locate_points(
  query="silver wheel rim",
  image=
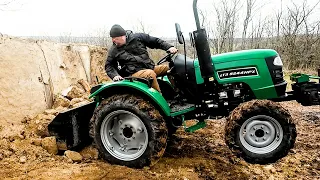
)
(124, 135)
(261, 134)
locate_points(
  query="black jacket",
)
(133, 56)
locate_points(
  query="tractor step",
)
(191, 129)
(179, 108)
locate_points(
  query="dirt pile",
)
(201, 155)
(74, 96)
(32, 72)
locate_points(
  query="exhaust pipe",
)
(202, 47)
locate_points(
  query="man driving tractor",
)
(128, 56)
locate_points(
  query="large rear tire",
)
(260, 131)
(129, 131)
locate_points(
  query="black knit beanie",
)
(117, 30)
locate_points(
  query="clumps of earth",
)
(34, 141)
(33, 154)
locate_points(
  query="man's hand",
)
(117, 78)
(173, 50)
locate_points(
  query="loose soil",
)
(200, 155)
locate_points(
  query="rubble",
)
(50, 144)
(61, 101)
(73, 92)
(90, 153)
(85, 85)
(74, 156)
(23, 159)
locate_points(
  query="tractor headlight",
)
(277, 61)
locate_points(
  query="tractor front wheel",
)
(260, 131)
(129, 131)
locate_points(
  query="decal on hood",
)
(240, 72)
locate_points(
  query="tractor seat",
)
(147, 81)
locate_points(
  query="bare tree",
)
(227, 16)
(140, 26)
(247, 19)
(296, 32)
(203, 15)
(258, 33)
(100, 37)
(278, 19)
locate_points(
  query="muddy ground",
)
(201, 155)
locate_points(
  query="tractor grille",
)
(276, 74)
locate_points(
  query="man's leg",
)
(148, 73)
(161, 69)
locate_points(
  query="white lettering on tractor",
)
(251, 71)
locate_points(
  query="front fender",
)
(128, 86)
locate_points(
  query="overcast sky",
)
(78, 17)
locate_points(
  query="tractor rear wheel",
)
(260, 131)
(129, 131)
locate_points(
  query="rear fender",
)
(133, 87)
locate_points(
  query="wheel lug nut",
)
(256, 140)
(129, 140)
(251, 134)
(121, 134)
(120, 122)
(133, 137)
(267, 132)
(261, 127)
(139, 129)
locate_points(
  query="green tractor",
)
(130, 122)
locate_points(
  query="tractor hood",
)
(243, 55)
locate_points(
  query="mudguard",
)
(133, 86)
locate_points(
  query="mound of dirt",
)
(33, 71)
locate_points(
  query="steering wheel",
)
(165, 59)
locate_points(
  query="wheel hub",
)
(126, 138)
(261, 134)
(127, 132)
